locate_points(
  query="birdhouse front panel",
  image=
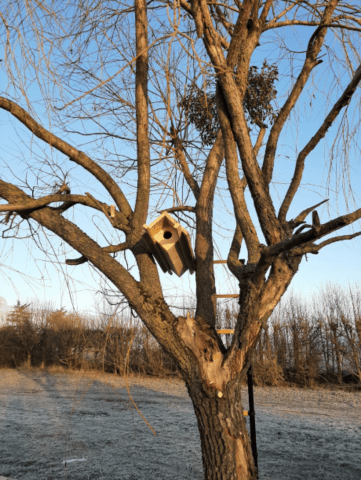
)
(174, 254)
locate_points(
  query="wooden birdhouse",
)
(170, 244)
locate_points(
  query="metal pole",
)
(252, 420)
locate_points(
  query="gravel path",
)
(82, 426)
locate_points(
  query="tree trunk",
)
(226, 445)
(336, 343)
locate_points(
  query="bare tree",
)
(164, 102)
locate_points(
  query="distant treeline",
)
(44, 338)
(304, 343)
(314, 342)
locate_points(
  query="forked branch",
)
(301, 216)
(317, 231)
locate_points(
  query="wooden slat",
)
(231, 295)
(226, 330)
(219, 261)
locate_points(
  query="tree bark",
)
(225, 442)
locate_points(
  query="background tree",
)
(119, 84)
(27, 333)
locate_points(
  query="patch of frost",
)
(65, 462)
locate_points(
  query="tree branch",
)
(141, 107)
(300, 163)
(317, 231)
(259, 141)
(181, 208)
(311, 61)
(109, 249)
(239, 33)
(301, 216)
(288, 23)
(180, 156)
(68, 201)
(35, 204)
(76, 261)
(233, 262)
(270, 225)
(315, 248)
(237, 186)
(205, 284)
(74, 155)
(143, 298)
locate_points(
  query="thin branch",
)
(259, 141)
(289, 23)
(181, 158)
(109, 249)
(315, 248)
(182, 208)
(76, 261)
(338, 239)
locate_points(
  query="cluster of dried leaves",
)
(201, 103)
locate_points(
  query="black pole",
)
(251, 413)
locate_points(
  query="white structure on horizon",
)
(4, 308)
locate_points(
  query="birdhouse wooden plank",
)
(170, 244)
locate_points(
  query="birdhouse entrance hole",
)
(167, 235)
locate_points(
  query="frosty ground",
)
(84, 426)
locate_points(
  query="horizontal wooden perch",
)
(229, 295)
